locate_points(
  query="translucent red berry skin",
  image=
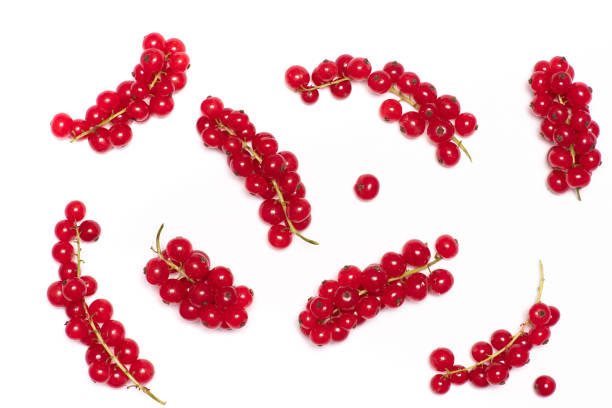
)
(320, 335)
(544, 385)
(481, 351)
(446, 246)
(500, 338)
(517, 355)
(61, 125)
(358, 69)
(448, 153)
(440, 384)
(496, 373)
(416, 253)
(539, 335)
(379, 82)
(142, 370)
(556, 182)
(539, 314)
(465, 124)
(555, 314)
(390, 110)
(296, 77)
(440, 281)
(442, 359)
(366, 187)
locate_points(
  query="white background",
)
(58, 56)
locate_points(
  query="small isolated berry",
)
(544, 385)
(366, 187)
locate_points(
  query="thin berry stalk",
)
(168, 262)
(571, 148)
(337, 81)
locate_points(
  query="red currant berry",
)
(99, 141)
(138, 110)
(127, 351)
(448, 153)
(350, 275)
(541, 104)
(542, 66)
(99, 372)
(554, 316)
(374, 279)
(425, 93)
(142, 370)
(74, 289)
(156, 271)
(394, 69)
(368, 307)
(64, 230)
(539, 335)
(341, 90)
(89, 231)
(338, 333)
(61, 125)
(96, 353)
(440, 281)
(220, 276)
(481, 351)
(280, 236)
(496, 373)
(172, 291)
(62, 252)
(408, 83)
(544, 385)
(477, 377)
(465, 124)
(244, 296)
(342, 63)
(297, 77)
(517, 355)
(558, 64)
(578, 177)
(161, 105)
(358, 69)
(179, 249)
(579, 95)
(440, 130)
(559, 158)
(590, 160)
(327, 70)
(539, 82)
(117, 378)
(379, 82)
(320, 334)
(442, 359)
(416, 253)
(448, 107)
(416, 286)
(211, 316)
(55, 295)
(558, 113)
(366, 187)
(178, 62)
(412, 124)
(393, 264)
(390, 110)
(298, 209)
(112, 332)
(556, 181)
(101, 310)
(500, 338)
(539, 314)
(447, 246)
(75, 211)
(328, 288)
(560, 82)
(235, 317)
(440, 384)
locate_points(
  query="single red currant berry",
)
(448, 153)
(327, 70)
(117, 378)
(178, 62)
(65, 231)
(523, 340)
(590, 160)
(542, 66)
(108, 102)
(496, 373)
(539, 314)
(75, 211)
(89, 231)
(172, 291)
(127, 351)
(390, 110)
(440, 384)
(448, 107)
(164, 87)
(544, 385)
(560, 82)
(310, 96)
(271, 211)
(321, 308)
(138, 110)
(440, 281)
(75, 310)
(179, 249)
(298, 209)
(517, 355)
(99, 372)
(460, 377)
(440, 130)
(557, 113)
(244, 296)
(374, 279)
(416, 253)
(55, 295)
(539, 335)
(101, 310)
(539, 82)
(446, 246)
(341, 90)
(62, 252)
(211, 316)
(347, 321)
(465, 124)
(393, 295)
(558, 64)
(477, 376)
(554, 316)
(197, 265)
(442, 359)
(76, 329)
(481, 351)
(394, 69)
(152, 60)
(342, 63)
(120, 135)
(584, 143)
(156, 271)
(328, 288)
(578, 177)
(358, 69)
(579, 95)
(500, 338)
(368, 307)
(280, 236)
(99, 141)
(112, 332)
(61, 125)
(556, 181)
(235, 317)
(366, 187)
(320, 334)
(412, 124)
(393, 264)
(408, 83)
(425, 93)
(67, 271)
(153, 40)
(188, 310)
(307, 320)
(379, 82)
(541, 104)
(559, 158)
(338, 333)
(91, 285)
(225, 297)
(142, 370)
(220, 276)
(161, 105)
(297, 77)
(416, 286)
(350, 275)
(593, 128)
(74, 289)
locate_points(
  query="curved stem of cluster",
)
(514, 338)
(337, 81)
(404, 97)
(281, 199)
(96, 331)
(462, 147)
(168, 262)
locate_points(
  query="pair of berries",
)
(203, 293)
(160, 73)
(357, 295)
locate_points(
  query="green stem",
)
(337, 81)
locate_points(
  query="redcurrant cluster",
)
(203, 292)
(495, 359)
(268, 173)
(567, 124)
(160, 73)
(440, 115)
(357, 295)
(112, 357)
